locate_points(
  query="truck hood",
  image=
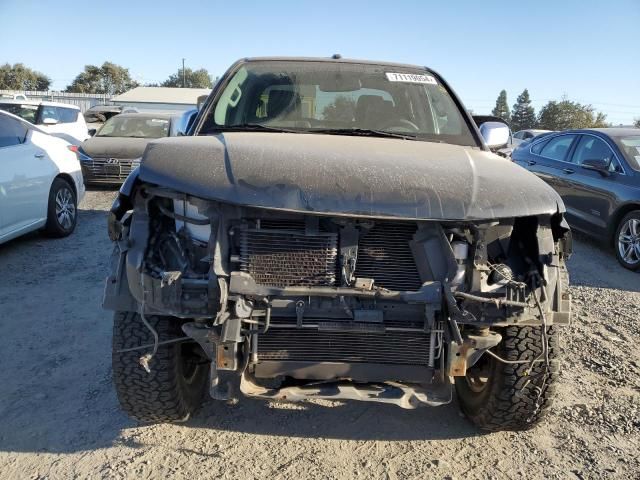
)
(116, 147)
(347, 175)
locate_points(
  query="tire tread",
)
(158, 396)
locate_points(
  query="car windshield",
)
(630, 146)
(134, 126)
(99, 115)
(338, 98)
(24, 111)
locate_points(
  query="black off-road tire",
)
(511, 400)
(175, 388)
(634, 265)
(61, 190)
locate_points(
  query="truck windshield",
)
(338, 98)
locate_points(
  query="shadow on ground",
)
(107, 427)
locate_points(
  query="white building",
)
(160, 98)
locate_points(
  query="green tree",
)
(192, 79)
(565, 114)
(636, 123)
(502, 108)
(20, 77)
(523, 116)
(110, 79)
(343, 108)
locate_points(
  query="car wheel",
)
(627, 241)
(175, 385)
(62, 211)
(499, 396)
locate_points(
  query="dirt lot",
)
(59, 417)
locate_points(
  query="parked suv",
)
(58, 119)
(336, 229)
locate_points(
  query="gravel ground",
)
(59, 417)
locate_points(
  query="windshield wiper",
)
(252, 127)
(364, 132)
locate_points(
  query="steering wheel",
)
(400, 122)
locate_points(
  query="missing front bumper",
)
(408, 396)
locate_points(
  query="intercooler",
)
(310, 345)
(358, 353)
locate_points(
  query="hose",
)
(498, 302)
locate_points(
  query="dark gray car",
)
(597, 174)
(115, 150)
(336, 229)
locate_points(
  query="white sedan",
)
(40, 181)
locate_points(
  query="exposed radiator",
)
(281, 258)
(384, 254)
(311, 345)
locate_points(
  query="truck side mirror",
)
(495, 134)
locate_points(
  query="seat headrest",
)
(279, 102)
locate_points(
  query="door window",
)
(558, 147)
(537, 147)
(49, 113)
(592, 148)
(67, 115)
(12, 132)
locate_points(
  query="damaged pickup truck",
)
(337, 229)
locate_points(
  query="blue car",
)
(597, 174)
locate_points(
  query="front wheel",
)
(500, 396)
(175, 386)
(627, 241)
(62, 209)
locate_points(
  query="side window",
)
(558, 147)
(67, 115)
(49, 113)
(12, 132)
(537, 148)
(591, 148)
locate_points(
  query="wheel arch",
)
(69, 179)
(619, 215)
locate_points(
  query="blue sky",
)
(587, 50)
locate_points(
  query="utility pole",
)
(184, 81)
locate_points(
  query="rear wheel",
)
(62, 211)
(627, 240)
(498, 396)
(174, 388)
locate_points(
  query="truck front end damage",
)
(296, 305)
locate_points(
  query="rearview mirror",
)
(92, 132)
(600, 165)
(49, 121)
(495, 134)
